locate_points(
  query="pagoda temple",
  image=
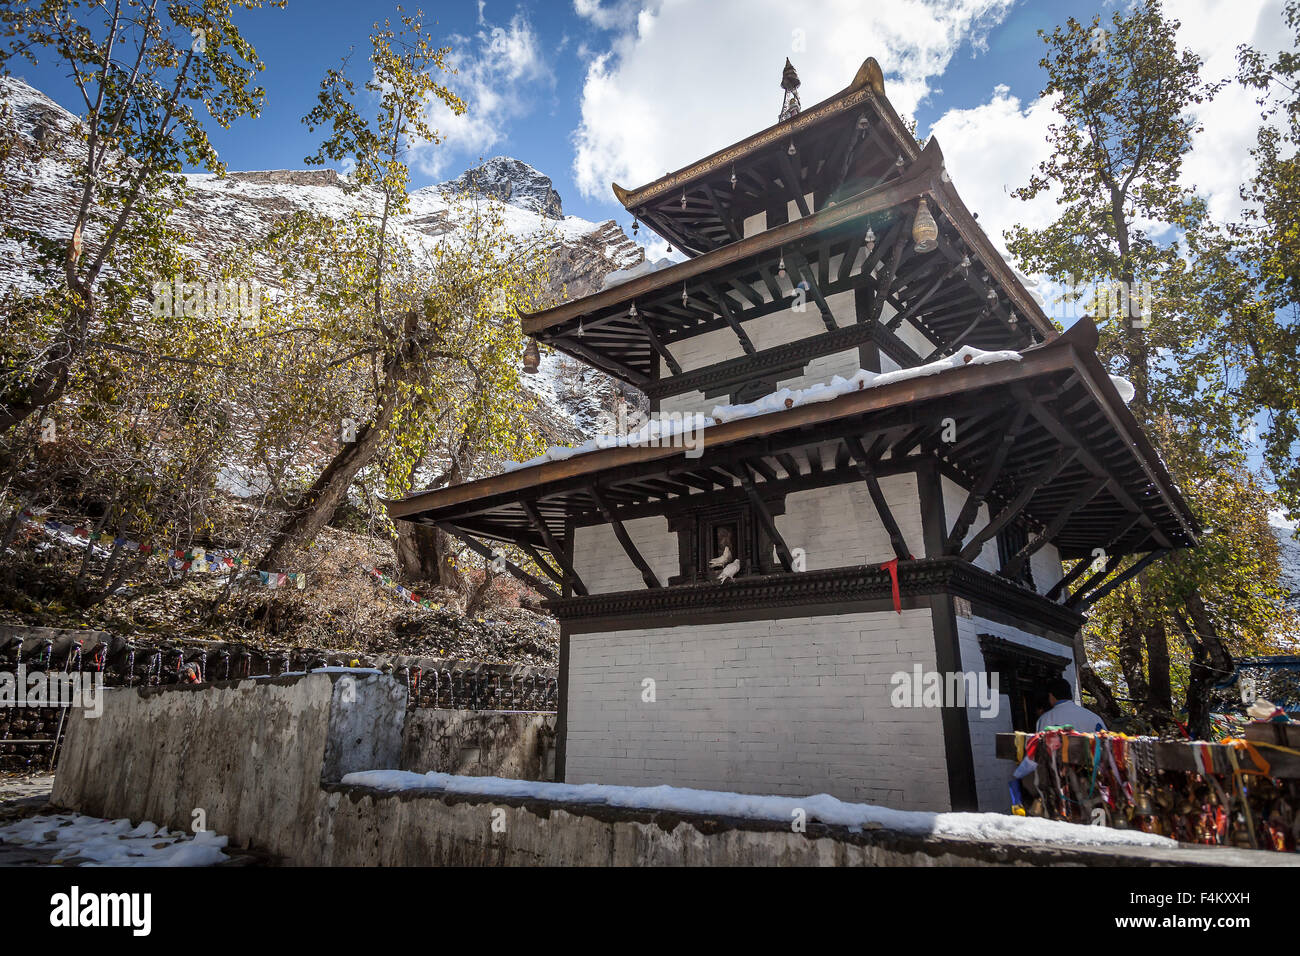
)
(901, 451)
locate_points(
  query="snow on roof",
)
(659, 430)
(992, 827)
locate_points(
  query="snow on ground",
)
(987, 827)
(658, 430)
(92, 841)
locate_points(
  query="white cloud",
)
(686, 77)
(1220, 161)
(617, 14)
(992, 148)
(496, 69)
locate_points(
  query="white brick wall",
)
(993, 776)
(603, 565)
(798, 706)
(838, 527)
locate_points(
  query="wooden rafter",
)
(999, 521)
(537, 584)
(765, 517)
(1082, 601)
(1084, 495)
(557, 549)
(966, 517)
(866, 468)
(620, 532)
(1125, 525)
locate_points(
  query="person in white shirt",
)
(1063, 711)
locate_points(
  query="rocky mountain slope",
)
(222, 214)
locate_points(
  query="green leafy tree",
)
(1142, 256)
(1267, 246)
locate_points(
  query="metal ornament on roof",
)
(532, 357)
(925, 231)
(790, 83)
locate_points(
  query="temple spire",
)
(789, 83)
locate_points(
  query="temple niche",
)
(896, 450)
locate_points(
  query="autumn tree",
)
(149, 76)
(1139, 252)
(427, 333)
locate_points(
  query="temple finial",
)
(790, 83)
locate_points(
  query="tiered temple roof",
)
(1045, 441)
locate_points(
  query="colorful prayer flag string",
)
(402, 592)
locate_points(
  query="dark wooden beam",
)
(1124, 526)
(1045, 474)
(894, 347)
(722, 214)
(1082, 603)
(658, 346)
(558, 551)
(794, 183)
(765, 517)
(602, 361)
(620, 532)
(537, 584)
(542, 563)
(984, 485)
(724, 309)
(1084, 495)
(805, 270)
(1066, 436)
(866, 468)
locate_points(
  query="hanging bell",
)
(683, 200)
(792, 150)
(870, 239)
(580, 330)
(635, 226)
(925, 231)
(532, 357)
(780, 266)
(733, 177)
(631, 312)
(685, 298)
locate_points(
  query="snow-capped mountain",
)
(510, 180)
(223, 214)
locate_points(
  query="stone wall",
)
(260, 759)
(247, 758)
(480, 743)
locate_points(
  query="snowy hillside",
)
(1289, 559)
(224, 214)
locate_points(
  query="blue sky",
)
(299, 43)
(594, 90)
(590, 91)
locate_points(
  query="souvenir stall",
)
(1240, 791)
